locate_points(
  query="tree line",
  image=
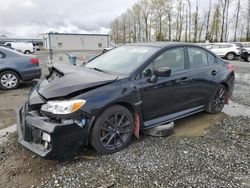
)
(183, 20)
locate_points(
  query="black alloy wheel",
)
(112, 130)
(217, 102)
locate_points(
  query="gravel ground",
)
(241, 93)
(219, 158)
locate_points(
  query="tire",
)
(217, 101)
(113, 130)
(105, 50)
(230, 56)
(9, 80)
(27, 52)
(248, 59)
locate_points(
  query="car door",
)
(168, 94)
(202, 74)
(2, 56)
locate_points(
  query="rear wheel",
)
(230, 56)
(9, 80)
(112, 130)
(217, 102)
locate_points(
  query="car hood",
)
(65, 80)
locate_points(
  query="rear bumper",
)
(31, 74)
(65, 138)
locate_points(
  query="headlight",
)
(63, 107)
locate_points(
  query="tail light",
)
(35, 61)
(238, 49)
(230, 67)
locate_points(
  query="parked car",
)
(245, 54)
(36, 47)
(226, 50)
(16, 67)
(109, 48)
(24, 47)
(129, 89)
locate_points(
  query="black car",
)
(120, 93)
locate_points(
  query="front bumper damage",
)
(65, 138)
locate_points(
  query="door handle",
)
(214, 72)
(184, 80)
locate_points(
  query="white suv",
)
(225, 50)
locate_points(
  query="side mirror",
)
(160, 72)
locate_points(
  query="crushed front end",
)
(50, 137)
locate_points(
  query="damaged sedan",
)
(125, 91)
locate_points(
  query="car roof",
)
(162, 44)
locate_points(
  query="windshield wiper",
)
(100, 70)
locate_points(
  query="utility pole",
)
(248, 20)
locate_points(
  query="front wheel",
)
(217, 101)
(112, 130)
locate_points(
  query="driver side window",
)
(173, 58)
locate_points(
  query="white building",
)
(75, 42)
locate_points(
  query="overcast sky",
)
(28, 18)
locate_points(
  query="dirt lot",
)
(205, 151)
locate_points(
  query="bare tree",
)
(216, 23)
(201, 27)
(169, 11)
(159, 10)
(224, 6)
(248, 22)
(227, 21)
(196, 21)
(186, 24)
(146, 10)
(190, 19)
(123, 26)
(208, 20)
(237, 21)
(180, 14)
(182, 20)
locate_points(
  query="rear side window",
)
(197, 57)
(210, 58)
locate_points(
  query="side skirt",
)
(171, 117)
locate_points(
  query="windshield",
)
(123, 60)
